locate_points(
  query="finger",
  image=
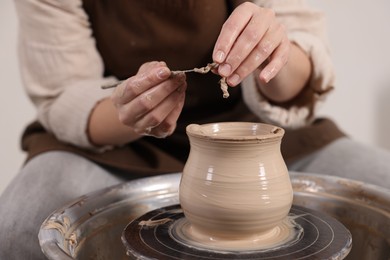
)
(162, 119)
(147, 66)
(257, 28)
(140, 83)
(278, 59)
(230, 31)
(168, 125)
(271, 40)
(131, 112)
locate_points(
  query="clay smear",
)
(203, 70)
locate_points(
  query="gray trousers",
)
(52, 179)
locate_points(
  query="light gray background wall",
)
(15, 109)
(359, 33)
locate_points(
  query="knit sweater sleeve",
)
(61, 69)
(306, 28)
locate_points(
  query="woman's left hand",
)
(251, 38)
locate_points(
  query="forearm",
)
(291, 79)
(104, 127)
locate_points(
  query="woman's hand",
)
(251, 38)
(151, 101)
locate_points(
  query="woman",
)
(273, 55)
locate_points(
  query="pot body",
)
(235, 180)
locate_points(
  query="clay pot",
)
(235, 181)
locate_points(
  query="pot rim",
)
(229, 131)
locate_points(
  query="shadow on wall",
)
(382, 116)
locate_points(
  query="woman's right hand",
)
(151, 101)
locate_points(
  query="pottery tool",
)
(201, 70)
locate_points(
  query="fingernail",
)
(163, 73)
(234, 80)
(220, 56)
(266, 79)
(267, 74)
(225, 69)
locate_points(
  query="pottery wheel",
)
(151, 236)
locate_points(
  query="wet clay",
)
(284, 234)
(235, 190)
